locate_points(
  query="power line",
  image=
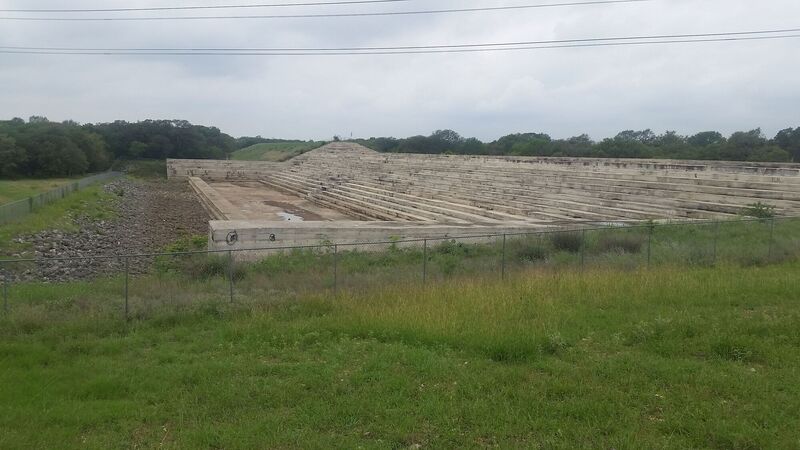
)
(721, 37)
(326, 15)
(418, 47)
(182, 8)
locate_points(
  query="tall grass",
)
(680, 357)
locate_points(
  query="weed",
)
(528, 251)
(620, 243)
(759, 210)
(567, 241)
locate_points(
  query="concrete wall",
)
(215, 204)
(220, 170)
(266, 235)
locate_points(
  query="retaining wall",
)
(244, 235)
(210, 169)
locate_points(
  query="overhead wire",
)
(328, 15)
(202, 7)
(429, 49)
(423, 47)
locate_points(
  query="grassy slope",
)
(275, 152)
(674, 358)
(92, 202)
(13, 190)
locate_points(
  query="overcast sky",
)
(725, 86)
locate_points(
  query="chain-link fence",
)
(15, 210)
(135, 286)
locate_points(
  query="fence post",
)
(503, 261)
(650, 229)
(583, 248)
(716, 238)
(230, 273)
(5, 295)
(424, 261)
(127, 274)
(771, 238)
(335, 270)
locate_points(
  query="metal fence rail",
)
(132, 284)
(15, 210)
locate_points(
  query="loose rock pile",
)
(152, 214)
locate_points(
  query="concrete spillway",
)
(443, 194)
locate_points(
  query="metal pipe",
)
(771, 238)
(127, 274)
(335, 270)
(716, 238)
(230, 273)
(503, 261)
(424, 261)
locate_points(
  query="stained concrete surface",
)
(256, 201)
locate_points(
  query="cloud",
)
(688, 88)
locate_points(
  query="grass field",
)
(275, 152)
(13, 190)
(673, 358)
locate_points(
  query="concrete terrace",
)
(345, 181)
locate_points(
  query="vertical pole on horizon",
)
(716, 239)
(127, 274)
(424, 261)
(503, 261)
(230, 273)
(583, 248)
(771, 238)
(335, 270)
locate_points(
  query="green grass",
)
(275, 152)
(143, 168)
(92, 202)
(13, 190)
(695, 357)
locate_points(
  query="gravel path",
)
(152, 214)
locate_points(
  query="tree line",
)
(41, 148)
(708, 145)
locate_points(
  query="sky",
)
(724, 86)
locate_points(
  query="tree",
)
(742, 144)
(12, 158)
(706, 138)
(789, 140)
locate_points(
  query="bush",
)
(759, 210)
(455, 248)
(200, 266)
(569, 242)
(620, 243)
(530, 251)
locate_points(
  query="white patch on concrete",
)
(289, 217)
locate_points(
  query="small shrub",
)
(759, 210)
(455, 248)
(732, 351)
(200, 267)
(447, 263)
(554, 344)
(188, 244)
(620, 243)
(530, 252)
(568, 242)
